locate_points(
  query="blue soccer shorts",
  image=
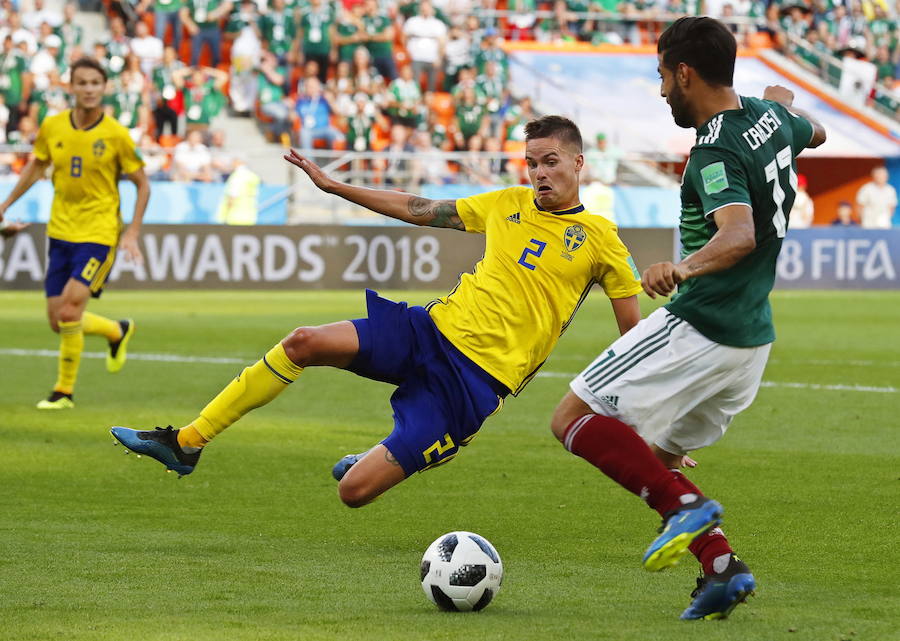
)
(88, 263)
(442, 397)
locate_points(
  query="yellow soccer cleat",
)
(56, 401)
(118, 354)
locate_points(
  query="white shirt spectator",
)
(802, 212)
(458, 52)
(876, 205)
(4, 119)
(192, 159)
(32, 20)
(714, 8)
(43, 63)
(22, 35)
(150, 52)
(423, 38)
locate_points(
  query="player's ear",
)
(579, 162)
(683, 75)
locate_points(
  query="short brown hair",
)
(88, 63)
(554, 127)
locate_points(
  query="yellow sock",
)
(71, 344)
(255, 386)
(96, 325)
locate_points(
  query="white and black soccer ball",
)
(461, 571)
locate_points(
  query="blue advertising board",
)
(170, 203)
(839, 258)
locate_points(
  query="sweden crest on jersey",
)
(574, 237)
(99, 148)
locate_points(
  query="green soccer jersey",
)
(375, 26)
(316, 27)
(12, 67)
(126, 107)
(345, 29)
(167, 5)
(469, 118)
(359, 131)
(202, 103)
(200, 10)
(267, 90)
(742, 156)
(278, 30)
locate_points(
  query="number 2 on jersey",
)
(528, 251)
(782, 161)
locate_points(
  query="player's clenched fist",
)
(779, 94)
(662, 278)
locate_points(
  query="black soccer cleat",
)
(716, 595)
(161, 444)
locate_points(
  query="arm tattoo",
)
(436, 213)
(390, 458)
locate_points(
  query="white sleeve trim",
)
(709, 214)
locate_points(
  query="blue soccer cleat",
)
(161, 444)
(343, 466)
(717, 595)
(679, 530)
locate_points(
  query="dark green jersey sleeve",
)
(801, 129)
(719, 178)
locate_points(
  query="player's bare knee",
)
(69, 313)
(299, 345)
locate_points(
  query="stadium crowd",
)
(359, 74)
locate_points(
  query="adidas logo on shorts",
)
(610, 401)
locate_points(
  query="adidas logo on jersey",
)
(515, 218)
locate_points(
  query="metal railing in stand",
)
(830, 68)
(742, 24)
(422, 172)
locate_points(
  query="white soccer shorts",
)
(674, 386)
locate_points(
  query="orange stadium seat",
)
(516, 147)
(759, 40)
(441, 103)
(168, 140)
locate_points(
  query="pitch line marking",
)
(138, 356)
(226, 360)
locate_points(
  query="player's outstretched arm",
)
(9, 229)
(785, 96)
(395, 204)
(735, 238)
(32, 172)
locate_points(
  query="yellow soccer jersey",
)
(87, 164)
(537, 269)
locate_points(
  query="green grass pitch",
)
(255, 545)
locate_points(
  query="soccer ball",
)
(461, 571)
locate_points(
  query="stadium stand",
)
(254, 62)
